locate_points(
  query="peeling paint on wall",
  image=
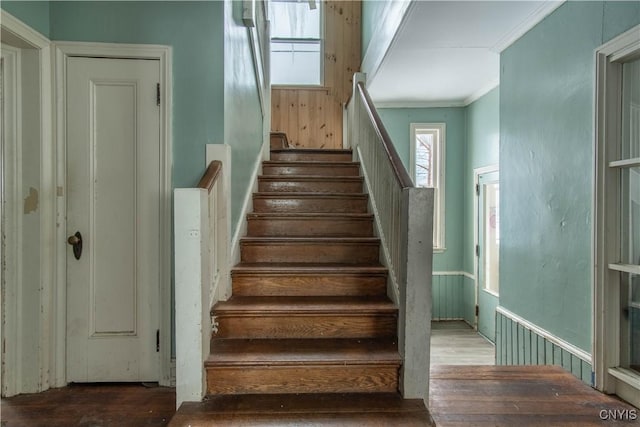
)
(31, 201)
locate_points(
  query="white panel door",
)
(113, 201)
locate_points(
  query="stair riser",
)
(296, 156)
(318, 205)
(311, 253)
(307, 379)
(306, 326)
(309, 285)
(301, 227)
(312, 170)
(285, 185)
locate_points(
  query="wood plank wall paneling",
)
(312, 118)
(453, 298)
(447, 297)
(519, 345)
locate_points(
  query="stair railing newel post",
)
(404, 224)
(198, 224)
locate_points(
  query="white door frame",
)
(609, 377)
(16, 326)
(476, 238)
(63, 50)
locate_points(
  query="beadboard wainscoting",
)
(519, 342)
(453, 296)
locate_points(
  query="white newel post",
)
(191, 219)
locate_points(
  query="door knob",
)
(75, 241)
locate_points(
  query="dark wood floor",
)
(95, 405)
(520, 396)
(460, 396)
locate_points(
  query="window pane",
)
(630, 327)
(491, 244)
(292, 20)
(295, 63)
(631, 110)
(424, 160)
(630, 216)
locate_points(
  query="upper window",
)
(296, 43)
(427, 170)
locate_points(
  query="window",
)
(617, 218)
(296, 42)
(489, 232)
(427, 170)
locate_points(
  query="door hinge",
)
(477, 189)
(477, 250)
(157, 340)
(477, 310)
(158, 94)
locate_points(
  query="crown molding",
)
(544, 10)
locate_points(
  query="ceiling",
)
(447, 53)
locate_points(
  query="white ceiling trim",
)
(419, 104)
(441, 104)
(482, 92)
(531, 21)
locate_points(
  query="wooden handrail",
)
(211, 174)
(400, 171)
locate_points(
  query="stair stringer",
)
(247, 205)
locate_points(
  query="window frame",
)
(439, 157)
(609, 376)
(320, 40)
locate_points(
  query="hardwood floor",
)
(456, 343)
(96, 405)
(520, 396)
(460, 396)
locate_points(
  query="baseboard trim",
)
(454, 273)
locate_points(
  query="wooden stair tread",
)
(309, 163)
(295, 215)
(348, 305)
(309, 194)
(310, 409)
(297, 268)
(311, 178)
(318, 240)
(313, 150)
(273, 352)
(308, 403)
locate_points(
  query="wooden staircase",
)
(309, 336)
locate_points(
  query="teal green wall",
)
(372, 15)
(397, 122)
(195, 32)
(214, 100)
(483, 140)
(473, 135)
(33, 13)
(546, 156)
(243, 123)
